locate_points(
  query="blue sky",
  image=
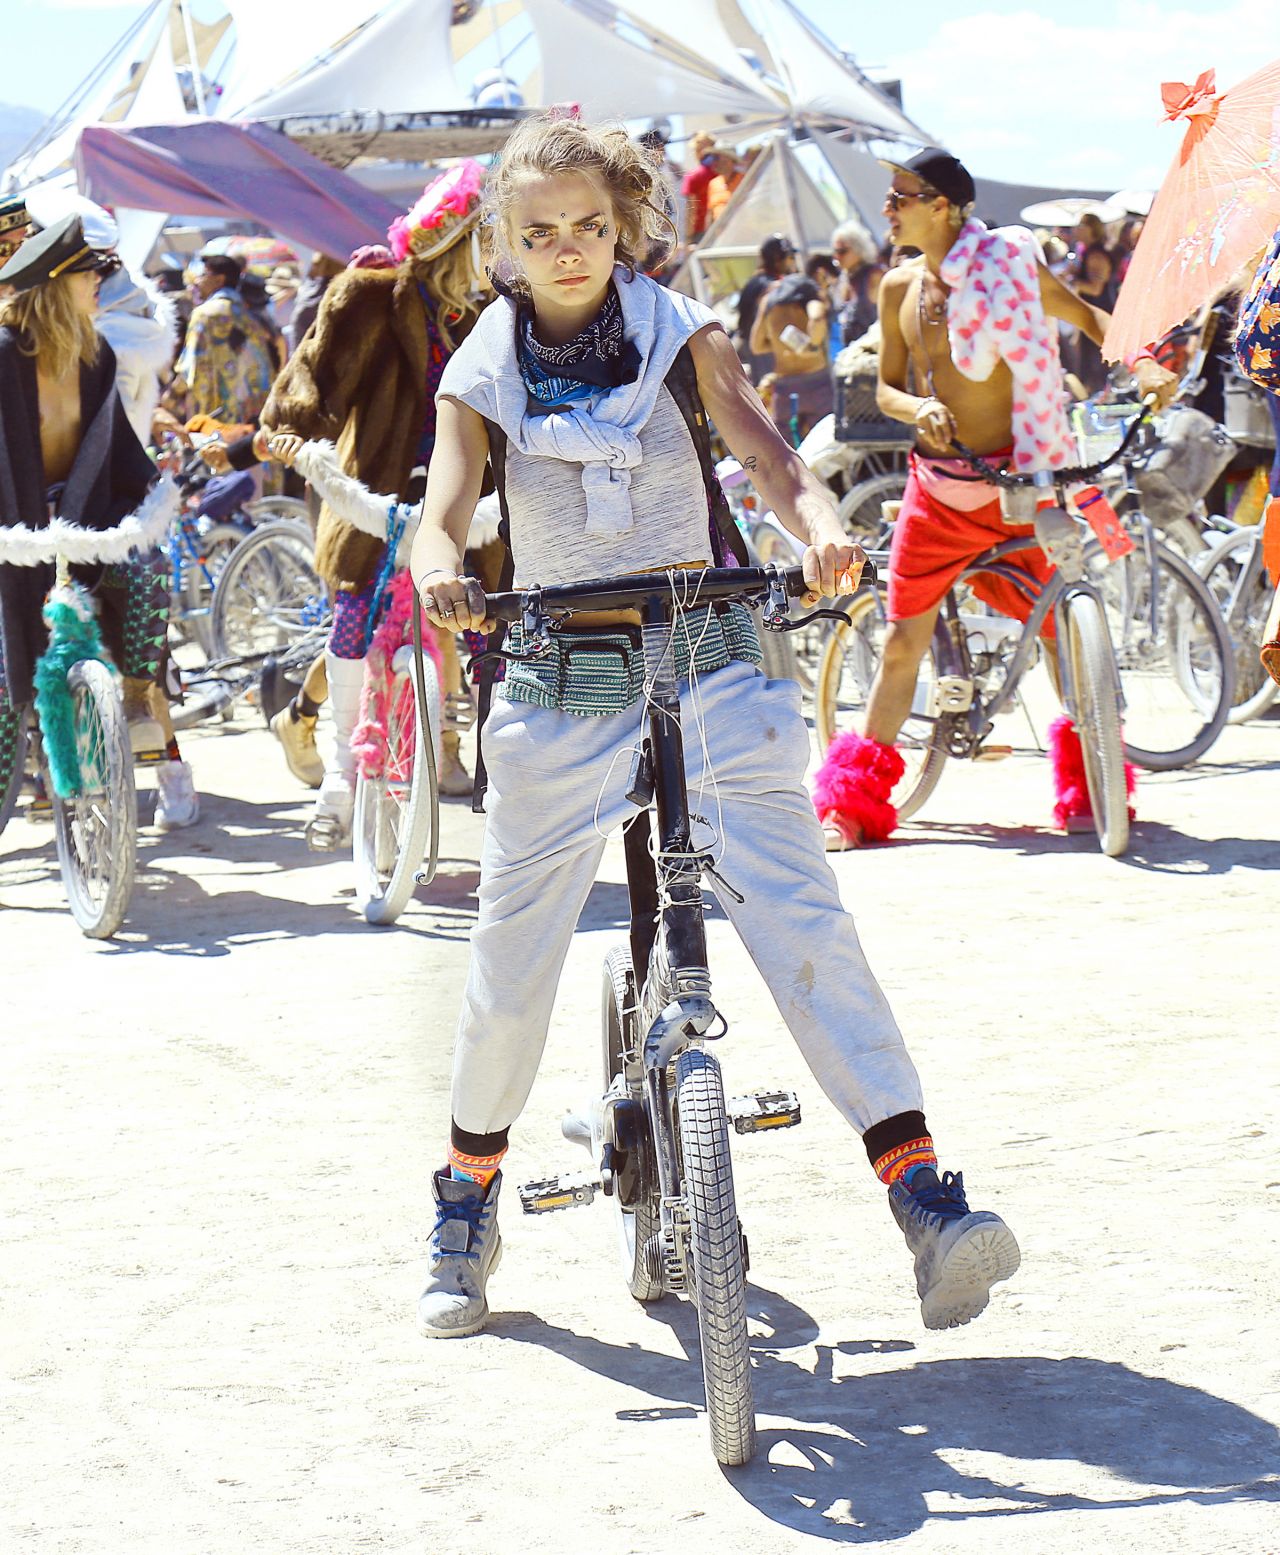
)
(1021, 89)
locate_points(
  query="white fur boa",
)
(368, 511)
(143, 530)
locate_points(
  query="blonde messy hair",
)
(451, 282)
(548, 145)
(58, 334)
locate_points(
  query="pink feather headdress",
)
(446, 210)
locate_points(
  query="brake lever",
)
(788, 625)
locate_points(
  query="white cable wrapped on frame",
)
(143, 530)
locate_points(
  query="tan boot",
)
(297, 734)
(146, 734)
(454, 779)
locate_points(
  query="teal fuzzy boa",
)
(73, 636)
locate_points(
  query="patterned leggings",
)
(133, 604)
(350, 621)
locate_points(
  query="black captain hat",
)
(15, 219)
(59, 250)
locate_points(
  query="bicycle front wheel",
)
(268, 594)
(848, 666)
(397, 811)
(1097, 719)
(1243, 589)
(97, 833)
(716, 1254)
(1174, 655)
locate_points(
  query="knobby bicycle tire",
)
(924, 768)
(389, 845)
(716, 1256)
(1098, 721)
(97, 834)
(638, 1225)
(11, 790)
(1229, 558)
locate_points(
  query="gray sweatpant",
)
(547, 769)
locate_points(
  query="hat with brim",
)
(941, 171)
(14, 222)
(58, 250)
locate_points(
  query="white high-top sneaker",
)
(465, 1250)
(177, 803)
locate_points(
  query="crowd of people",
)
(559, 367)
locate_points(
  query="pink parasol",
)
(1218, 206)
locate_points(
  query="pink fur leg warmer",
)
(852, 786)
(1070, 787)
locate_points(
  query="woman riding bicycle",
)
(67, 451)
(365, 376)
(568, 373)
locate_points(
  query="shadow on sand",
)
(874, 1446)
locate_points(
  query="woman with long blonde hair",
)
(365, 377)
(67, 451)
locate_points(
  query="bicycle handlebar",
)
(78, 544)
(690, 587)
(1011, 481)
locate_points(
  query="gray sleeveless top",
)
(548, 510)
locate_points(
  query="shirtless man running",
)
(929, 200)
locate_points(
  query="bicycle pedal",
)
(149, 758)
(766, 1109)
(992, 752)
(562, 1192)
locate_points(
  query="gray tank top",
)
(548, 510)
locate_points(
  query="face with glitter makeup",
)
(563, 230)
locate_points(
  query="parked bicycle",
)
(659, 1133)
(217, 512)
(1236, 575)
(78, 737)
(973, 668)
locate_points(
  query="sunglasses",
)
(105, 263)
(895, 197)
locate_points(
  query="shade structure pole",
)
(197, 74)
(789, 193)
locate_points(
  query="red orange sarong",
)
(933, 544)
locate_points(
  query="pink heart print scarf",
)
(994, 313)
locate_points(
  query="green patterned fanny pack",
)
(603, 672)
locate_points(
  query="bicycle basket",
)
(860, 420)
(1192, 452)
(1099, 429)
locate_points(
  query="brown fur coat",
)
(359, 378)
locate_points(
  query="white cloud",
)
(1078, 100)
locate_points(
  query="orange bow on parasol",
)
(1218, 206)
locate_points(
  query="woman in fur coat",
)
(365, 378)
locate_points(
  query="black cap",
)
(58, 250)
(775, 248)
(941, 171)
